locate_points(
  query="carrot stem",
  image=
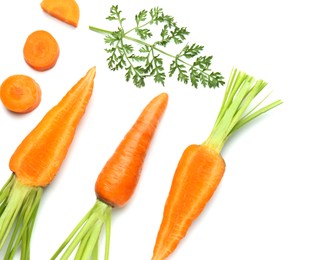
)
(5, 191)
(87, 234)
(19, 204)
(92, 240)
(95, 253)
(241, 90)
(108, 231)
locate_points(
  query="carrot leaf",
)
(237, 109)
(147, 60)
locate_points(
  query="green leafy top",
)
(237, 108)
(147, 60)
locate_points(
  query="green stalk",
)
(108, 231)
(19, 205)
(87, 233)
(92, 241)
(140, 42)
(241, 90)
(23, 227)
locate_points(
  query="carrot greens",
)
(147, 60)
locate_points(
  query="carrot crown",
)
(236, 109)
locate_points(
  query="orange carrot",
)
(115, 183)
(41, 50)
(20, 93)
(36, 162)
(201, 167)
(65, 10)
(119, 177)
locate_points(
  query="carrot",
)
(201, 166)
(20, 93)
(115, 183)
(65, 10)
(41, 50)
(36, 162)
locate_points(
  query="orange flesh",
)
(20, 94)
(64, 10)
(41, 50)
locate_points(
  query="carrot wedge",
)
(201, 166)
(35, 164)
(64, 10)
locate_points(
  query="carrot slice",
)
(20, 93)
(41, 50)
(65, 10)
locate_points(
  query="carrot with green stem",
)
(201, 166)
(115, 184)
(36, 162)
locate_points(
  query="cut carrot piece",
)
(20, 93)
(41, 50)
(65, 10)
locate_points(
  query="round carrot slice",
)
(20, 93)
(41, 50)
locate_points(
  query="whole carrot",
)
(115, 183)
(201, 166)
(36, 162)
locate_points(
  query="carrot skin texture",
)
(119, 177)
(38, 158)
(196, 178)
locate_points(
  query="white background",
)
(261, 210)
